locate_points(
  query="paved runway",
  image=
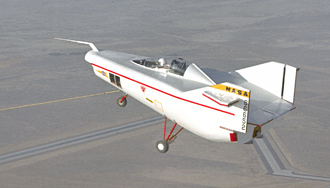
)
(49, 95)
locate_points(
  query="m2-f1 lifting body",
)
(219, 106)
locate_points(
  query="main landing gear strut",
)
(163, 145)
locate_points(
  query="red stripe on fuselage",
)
(163, 91)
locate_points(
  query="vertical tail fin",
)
(277, 78)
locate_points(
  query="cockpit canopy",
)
(174, 65)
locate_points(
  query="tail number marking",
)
(245, 111)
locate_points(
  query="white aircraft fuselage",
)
(219, 106)
(181, 99)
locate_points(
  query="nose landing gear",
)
(121, 101)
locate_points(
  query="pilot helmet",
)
(162, 61)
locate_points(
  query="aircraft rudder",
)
(289, 83)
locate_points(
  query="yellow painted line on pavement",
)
(60, 100)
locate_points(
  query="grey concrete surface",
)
(225, 35)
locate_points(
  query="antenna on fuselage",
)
(80, 42)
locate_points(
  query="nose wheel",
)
(122, 101)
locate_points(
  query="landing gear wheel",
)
(257, 132)
(162, 146)
(121, 102)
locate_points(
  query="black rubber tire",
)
(122, 103)
(162, 146)
(257, 132)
